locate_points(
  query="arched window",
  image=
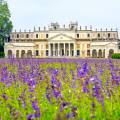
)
(9, 53)
(100, 53)
(23, 54)
(98, 35)
(94, 53)
(111, 51)
(29, 54)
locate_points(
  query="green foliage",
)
(116, 56)
(5, 23)
(2, 54)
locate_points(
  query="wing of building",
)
(63, 41)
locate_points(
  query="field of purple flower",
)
(59, 89)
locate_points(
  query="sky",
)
(25, 14)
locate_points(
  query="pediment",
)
(61, 37)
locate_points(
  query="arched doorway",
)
(29, 54)
(94, 53)
(17, 53)
(100, 53)
(9, 53)
(23, 54)
(111, 51)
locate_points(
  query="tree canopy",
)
(5, 23)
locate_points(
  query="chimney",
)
(90, 27)
(80, 28)
(34, 29)
(39, 29)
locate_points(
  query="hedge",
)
(116, 56)
(2, 55)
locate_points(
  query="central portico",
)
(62, 45)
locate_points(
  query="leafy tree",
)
(5, 23)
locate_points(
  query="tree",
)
(5, 24)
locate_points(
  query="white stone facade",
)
(59, 41)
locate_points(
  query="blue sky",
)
(26, 14)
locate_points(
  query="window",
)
(46, 52)
(78, 36)
(88, 45)
(27, 35)
(98, 35)
(22, 36)
(88, 35)
(88, 53)
(37, 53)
(118, 47)
(108, 35)
(78, 45)
(13, 36)
(17, 35)
(36, 35)
(47, 35)
(78, 52)
(46, 46)
(42, 47)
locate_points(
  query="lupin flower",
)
(5, 96)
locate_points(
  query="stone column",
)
(53, 49)
(58, 49)
(74, 49)
(69, 49)
(64, 49)
(49, 49)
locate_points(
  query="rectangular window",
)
(47, 46)
(78, 45)
(88, 53)
(36, 35)
(47, 53)
(17, 35)
(88, 35)
(78, 36)
(27, 35)
(12, 36)
(42, 47)
(37, 53)
(108, 35)
(78, 52)
(88, 45)
(47, 35)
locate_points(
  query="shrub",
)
(116, 56)
(2, 54)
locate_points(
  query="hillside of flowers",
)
(59, 89)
